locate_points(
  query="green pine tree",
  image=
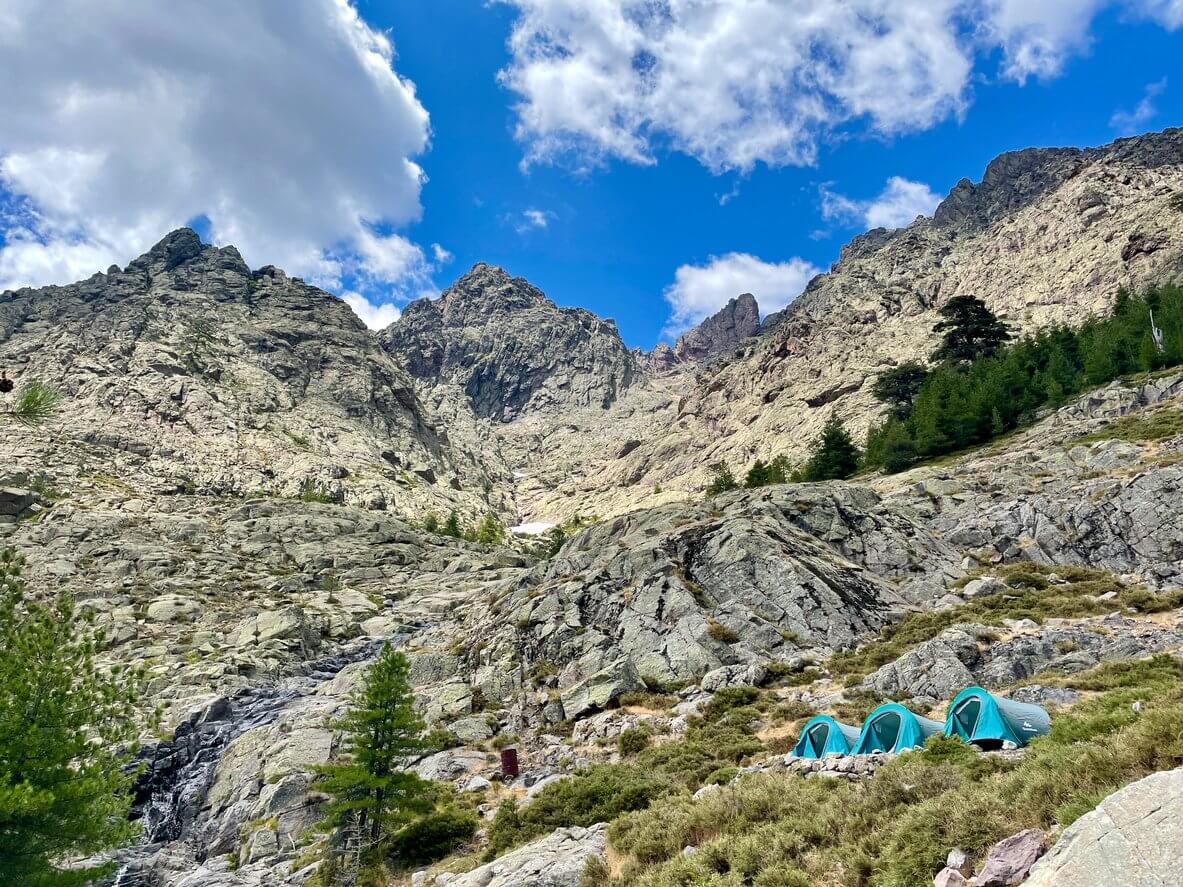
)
(35, 404)
(490, 530)
(899, 386)
(452, 525)
(722, 480)
(381, 735)
(835, 456)
(970, 331)
(66, 732)
(757, 475)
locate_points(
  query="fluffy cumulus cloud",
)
(698, 291)
(285, 126)
(900, 202)
(739, 82)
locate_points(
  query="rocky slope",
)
(216, 379)
(1047, 236)
(228, 485)
(510, 349)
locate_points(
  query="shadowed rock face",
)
(511, 349)
(739, 319)
(672, 593)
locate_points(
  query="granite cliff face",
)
(235, 484)
(736, 321)
(512, 351)
(1048, 236)
(226, 381)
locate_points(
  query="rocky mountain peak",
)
(511, 349)
(739, 319)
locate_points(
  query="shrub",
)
(722, 480)
(721, 632)
(729, 698)
(597, 794)
(432, 837)
(894, 830)
(1031, 596)
(633, 741)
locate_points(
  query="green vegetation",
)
(970, 331)
(834, 455)
(381, 733)
(452, 525)
(314, 492)
(898, 387)
(1158, 425)
(432, 837)
(763, 474)
(723, 737)
(558, 535)
(36, 404)
(722, 480)
(779, 830)
(488, 531)
(1030, 594)
(66, 731)
(980, 389)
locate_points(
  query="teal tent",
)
(822, 736)
(891, 727)
(989, 721)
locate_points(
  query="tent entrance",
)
(965, 721)
(818, 736)
(885, 731)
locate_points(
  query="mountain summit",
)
(509, 348)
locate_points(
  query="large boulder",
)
(557, 860)
(1134, 838)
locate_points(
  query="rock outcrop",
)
(557, 860)
(720, 333)
(228, 381)
(670, 594)
(1047, 236)
(510, 349)
(1134, 838)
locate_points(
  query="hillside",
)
(239, 484)
(1048, 236)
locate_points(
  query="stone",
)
(509, 348)
(601, 689)
(1133, 838)
(949, 877)
(1010, 859)
(471, 730)
(558, 860)
(477, 784)
(984, 586)
(172, 608)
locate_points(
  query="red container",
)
(509, 763)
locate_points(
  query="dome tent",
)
(989, 721)
(891, 727)
(822, 735)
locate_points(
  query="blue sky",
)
(302, 157)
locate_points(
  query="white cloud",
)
(1130, 122)
(441, 255)
(734, 83)
(290, 132)
(537, 218)
(374, 316)
(698, 291)
(897, 206)
(532, 220)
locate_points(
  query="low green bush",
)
(894, 830)
(432, 837)
(1030, 594)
